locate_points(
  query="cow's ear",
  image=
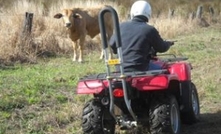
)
(76, 15)
(58, 15)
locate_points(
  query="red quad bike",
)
(153, 102)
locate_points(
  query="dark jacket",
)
(137, 39)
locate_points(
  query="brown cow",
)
(81, 22)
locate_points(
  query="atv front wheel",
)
(164, 115)
(192, 114)
(96, 119)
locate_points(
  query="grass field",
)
(40, 98)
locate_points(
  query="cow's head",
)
(69, 17)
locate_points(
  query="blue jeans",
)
(153, 66)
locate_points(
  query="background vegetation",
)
(38, 78)
(49, 37)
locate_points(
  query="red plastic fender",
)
(159, 82)
(182, 69)
(91, 86)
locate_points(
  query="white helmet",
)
(140, 7)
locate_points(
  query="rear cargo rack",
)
(116, 75)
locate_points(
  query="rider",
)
(138, 38)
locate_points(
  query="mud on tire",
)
(164, 115)
(96, 119)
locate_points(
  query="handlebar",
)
(153, 53)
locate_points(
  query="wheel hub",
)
(174, 119)
(195, 103)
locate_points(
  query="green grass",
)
(40, 98)
(31, 92)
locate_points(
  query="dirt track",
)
(210, 123)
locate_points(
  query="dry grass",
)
(171, 28)
(48, 35)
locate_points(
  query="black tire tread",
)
(160, 114)
(93, 119)
(90, 117)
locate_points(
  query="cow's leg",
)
(102, 54)
(75, 44)
(81, 49)
(110, 52)
(109, 34)
(110, 56)
(101, 47)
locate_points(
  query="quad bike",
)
(155, 101)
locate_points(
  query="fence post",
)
(211, 11)
(25, 37)
(192, 16)
(27, 26)
(200, 20)
(199, 11)
(212, 18)
(158, 13)
(171, 13)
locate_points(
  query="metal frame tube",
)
(119, 53)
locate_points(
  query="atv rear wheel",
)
(192, 114)
(164, 115)
(96, 119)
